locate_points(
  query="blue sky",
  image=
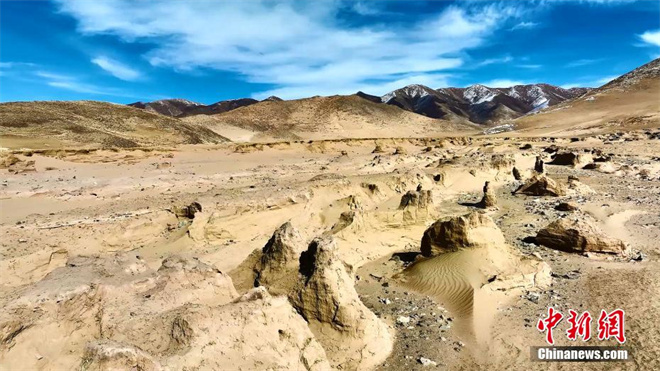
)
(206, 51)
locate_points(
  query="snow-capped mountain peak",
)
(478, 93)
(413, 91)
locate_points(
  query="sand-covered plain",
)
(148, 258)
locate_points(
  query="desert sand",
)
(352, 254)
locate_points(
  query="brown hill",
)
(629, 102)
(324, 118)
(169, 107)
(93, 124)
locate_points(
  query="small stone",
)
(427, 362)
(403, 320)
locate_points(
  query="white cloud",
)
(524, 26)
(116, 68)
(582, 62)
(503, 83)
(364, 8)
(71, 83)
(651, 37)
(486, 62)
(530, 66)
(377, 88)
(299, 47)
(605, 80)
(10, 65)
(590, 83)
(593, 2)
(53, 76)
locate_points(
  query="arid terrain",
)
(133, 240)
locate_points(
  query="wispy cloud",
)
(489, 61)
(530, 66)
(651, 37)
(296, 47)
(590, 82)
(582, 62)
(73, 83)
(366, 8)
(524, 26)
(606, 79)
(53, 76)
(592, 2)
(116, 69)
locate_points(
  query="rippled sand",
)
(455, 279)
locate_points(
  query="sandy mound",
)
(471, 269)
(489, 200)
(275, 265)
(267, 328)
(417, 205)
(108, 355)
(470, 230)
(540, 185)
(279, 256)
(578, 234)
(116, 314)
(352, 336)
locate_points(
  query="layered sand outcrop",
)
(352, 336)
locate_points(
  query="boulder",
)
(571, 159)
(538, 165)
(540, 185)
(551, 149)
(578, 188)
(188, 211)
(465, 231)
(566, 206)
(352, 336)
(516, 173)
(578, 234)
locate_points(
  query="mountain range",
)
(625, 103)
(477, 103)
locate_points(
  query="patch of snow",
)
(513, 93)
(540, 103)
(387, 97)
(476, 94)
(499, 129)
(415, 91)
